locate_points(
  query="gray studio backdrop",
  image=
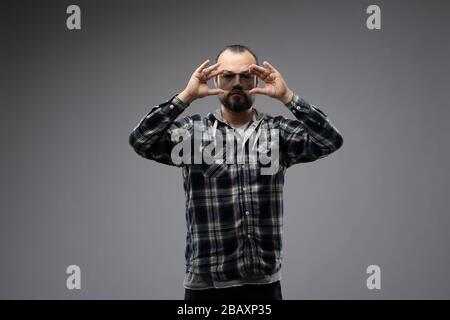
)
(75, 193)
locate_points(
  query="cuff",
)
(177, 101)
(173, 106)
(298, 104)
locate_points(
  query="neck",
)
(236, 119)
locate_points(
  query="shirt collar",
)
(217, 115)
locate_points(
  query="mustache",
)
(238, 92)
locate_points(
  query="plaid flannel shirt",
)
(234, 214)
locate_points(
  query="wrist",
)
(185, 97)
(287, 97)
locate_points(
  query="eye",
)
(228, 76)
(246, 76)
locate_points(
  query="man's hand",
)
(275, 86)
(197, 86)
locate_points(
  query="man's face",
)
(236, 99)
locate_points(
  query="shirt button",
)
(247, 213)
(244, 188)
(299, 108)
(249, 235)
(171, 106)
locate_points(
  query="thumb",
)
(214, 91)
(258, 90)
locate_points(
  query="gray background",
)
(74, 192)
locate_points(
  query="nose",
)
(237, 80)
(236, 86)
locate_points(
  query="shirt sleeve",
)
(153, 137)
(310, 136)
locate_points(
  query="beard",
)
(237, 103)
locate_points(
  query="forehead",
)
(234, 61)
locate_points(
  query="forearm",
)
(155, 123)
(185, 98)
(316, 121)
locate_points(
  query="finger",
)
(257, 72)
(261, 76)
(215, 73)
(270, 67)
(260, 71)
(210, 68)
(214, 92)
(202, 66)
(258, 68)
(205, 77)
(258, 91)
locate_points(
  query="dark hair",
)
(237, 48)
